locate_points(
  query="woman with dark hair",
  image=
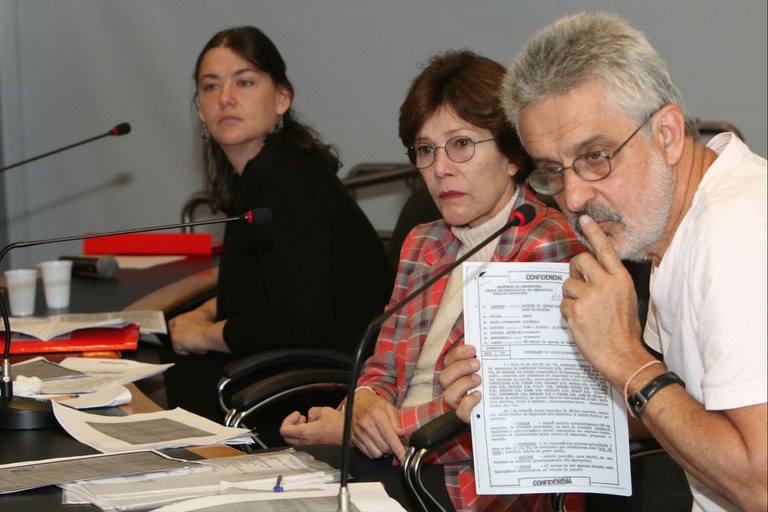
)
(471, 160)
(317, 274)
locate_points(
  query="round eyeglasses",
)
(459, 149)
(592, 166)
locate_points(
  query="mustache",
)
(598, 213)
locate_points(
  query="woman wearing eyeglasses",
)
(471, 161)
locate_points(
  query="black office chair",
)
(282, 375)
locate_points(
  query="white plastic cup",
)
(57, 278)
(21, 284)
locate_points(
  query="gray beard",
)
(641, 235)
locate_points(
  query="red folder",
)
(153, 243)
(82, 340)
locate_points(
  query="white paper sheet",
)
(100, 373)
(147, 431)
(39, 473)
(366, 497)
(110, 396)
(144, 262)
(548, 421)
(208, 477)
(49, 327)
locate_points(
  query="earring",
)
(279, 125)
(204, 132)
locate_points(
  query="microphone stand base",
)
(344, 504)
(22, 413)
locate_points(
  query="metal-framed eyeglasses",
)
(592, 166)
(459, 149)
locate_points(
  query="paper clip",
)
(278, 487)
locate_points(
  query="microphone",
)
(520, 217)
(103, 266)
(120, 129)
(22, 413)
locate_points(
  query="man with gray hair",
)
(597, 111)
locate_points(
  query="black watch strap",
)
(639, 400)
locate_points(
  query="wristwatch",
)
(638, 401)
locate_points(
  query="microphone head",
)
(120, 129)
(524, 214)
(258, 216)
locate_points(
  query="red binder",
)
(153, 243)
(82, 340)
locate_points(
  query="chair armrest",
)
(438, 431)
(275, 386)
(263, 364)
(278, 387)
(264, 360)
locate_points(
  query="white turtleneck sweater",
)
(451, 305)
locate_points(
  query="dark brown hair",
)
(469, 84)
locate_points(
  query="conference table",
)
(170, 288)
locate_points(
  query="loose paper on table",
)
(76, 375)
(146, 431)
(548, 421)
(254, 472)
(29, 475)
(48, 327)
(366, 497)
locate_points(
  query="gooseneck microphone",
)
(120, 129)
(520, 217)
(22, 413)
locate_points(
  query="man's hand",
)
(376, 428)
(600, 306)
(321, 425)
(458, 378)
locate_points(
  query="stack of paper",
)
(148, 431)
(298, 472)
(366, 497)
(48, 327)
(20, 476)
(93, 382)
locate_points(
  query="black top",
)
(315, 276)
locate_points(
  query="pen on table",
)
(278, 487)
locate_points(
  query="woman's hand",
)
(195, 332)
(458, 379)
(376, 428)
(321, 425)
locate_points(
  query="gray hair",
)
(583, 47)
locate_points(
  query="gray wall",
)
(72, 69)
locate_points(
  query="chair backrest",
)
(419, 208)
(197, 207)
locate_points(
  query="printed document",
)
(20, 476)
(76, 375)
(297, 472)
(146, 431)
(46, 328)
(365, 497)
(548, 421)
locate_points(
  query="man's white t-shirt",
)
(708, 296)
